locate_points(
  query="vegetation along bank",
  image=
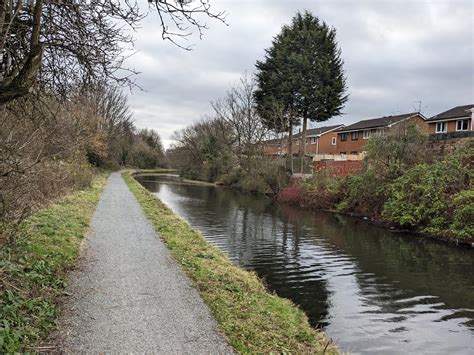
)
(403, 184)
(254, 320)
(34, 265)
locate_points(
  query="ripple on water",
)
(372, 291)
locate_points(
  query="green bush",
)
(364, 194)
(462, 225)
(434, 198)
(418, 197)
(323, 190)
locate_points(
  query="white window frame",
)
(462, 121)
(366, 134)
(334, 140)
(313, 140)
(444, 125)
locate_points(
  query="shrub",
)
(392, 154)
(417, 197)
(323, 190)
(364, 194)
(253, 183)
(273, 175)
(435, 198)
(230, 178)
(462, 225)
(292, 194)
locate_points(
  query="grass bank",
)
(33, 268)
(159, 171)
(155, 171)
(254, 320)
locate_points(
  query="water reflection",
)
(372, 290)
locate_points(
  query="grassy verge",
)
(33, 269)
(254, 320)
(170, 171)
(155, 171)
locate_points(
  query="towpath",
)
(128, 293)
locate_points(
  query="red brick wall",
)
(339, 167)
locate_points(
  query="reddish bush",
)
(292, 194)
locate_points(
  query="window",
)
(313, 140)
(366, 134)
(333, 140)
(462, 125)
(354, 152)
(355, 136)
(441, 127)
(342, 152)
(343, 136)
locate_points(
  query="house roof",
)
(455, 112)
(309, 133)
(318, 131)
(377, 122)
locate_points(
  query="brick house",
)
(456, 119)
(352, 139)
(273, 147)
(320, 140)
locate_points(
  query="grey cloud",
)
(395, 53)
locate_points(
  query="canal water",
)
(369, 289)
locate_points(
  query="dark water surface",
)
(371, 290)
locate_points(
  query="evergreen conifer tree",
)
(303, 73)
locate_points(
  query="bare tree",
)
(56, 44)
(41, 152)
(237, 111)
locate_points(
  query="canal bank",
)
(366, 287)
(35, 266)
(254, 320)
(128, 294)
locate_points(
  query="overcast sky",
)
(396, 53)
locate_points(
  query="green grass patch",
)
(33, 267)
(253, 319)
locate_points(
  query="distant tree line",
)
(49, 146)
(62, 111)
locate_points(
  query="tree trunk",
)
(290, 146)
(280, 151)
(303, 144)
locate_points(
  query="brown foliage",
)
(41, 146)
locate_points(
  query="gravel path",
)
(128, 294)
